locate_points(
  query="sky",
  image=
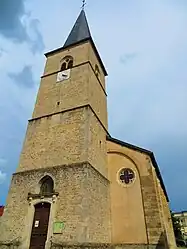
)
(143, 45)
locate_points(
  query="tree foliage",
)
(176, 227)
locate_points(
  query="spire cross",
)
(83, 4)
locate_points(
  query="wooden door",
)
(40, 226)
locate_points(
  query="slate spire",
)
(79, 32)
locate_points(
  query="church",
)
(76, 186)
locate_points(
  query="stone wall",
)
(94, 61)
(83, 87)
(97, 146)
(97, 97)
(151, 208)
(82, 204)
(70, 93)
(91, 246)
(167, 219)
(155, 233)
(127, 213)
(65, 138)
(55, 140)
(10, 245)
(79, 53)
(105, 246)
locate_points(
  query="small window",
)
(47, 185)
(67, 63)
(97, 72)
(126, 176)
(100, 143)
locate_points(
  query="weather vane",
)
(83, 4)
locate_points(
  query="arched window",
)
(97, 72)
(67, 63)
(47, 185)
(126, 176)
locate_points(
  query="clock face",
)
(64, 75)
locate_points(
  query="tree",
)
(176, 227)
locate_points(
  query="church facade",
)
(75, 185)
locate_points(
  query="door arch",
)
(40, 225)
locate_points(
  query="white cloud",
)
(2, 177)
(2, 162)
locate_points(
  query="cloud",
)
(18, 25)
(11, 25)
(2, 162)
(171, 156)
(36, 41)
(2, 177)
(128, 57)
(23, 78)
(2, 51)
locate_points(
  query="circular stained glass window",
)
(126, 176)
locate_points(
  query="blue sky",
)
(143, 44)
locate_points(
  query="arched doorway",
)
(40, 226)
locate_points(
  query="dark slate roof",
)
(79, 32)
(148, 152)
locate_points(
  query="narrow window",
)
(66, 63)
(97, 70)
(47, 185)
(126, 176)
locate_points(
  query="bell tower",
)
(63, 164)
(69, 122)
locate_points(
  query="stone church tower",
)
(75, 185)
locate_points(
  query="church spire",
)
(80, 31)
